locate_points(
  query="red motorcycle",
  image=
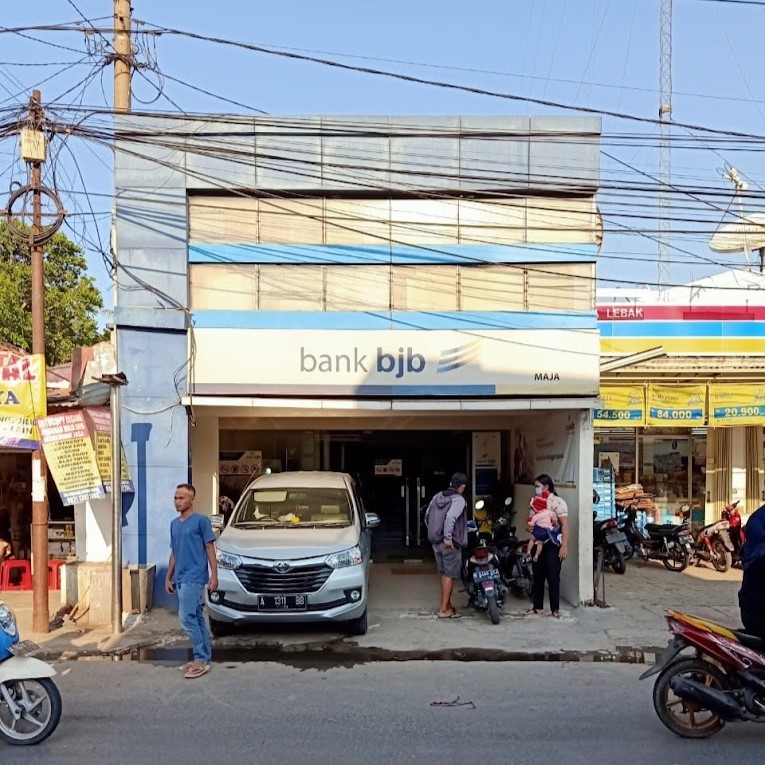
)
(708, 675)
(736, 530)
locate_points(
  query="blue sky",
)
(595, 53)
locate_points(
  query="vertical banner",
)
(22, 399)
(677, 406)
(621, 405)
(736, 405)
(71, 457)
(99, 418)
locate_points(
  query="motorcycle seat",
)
(750, 641)
(660, 527)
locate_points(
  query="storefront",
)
(398, 298)
(689, 382)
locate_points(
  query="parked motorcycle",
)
(611, 542)
(481, 575)
(736, 531)
(30, 703)
(721, 681)
(514, 565)
(713, 545)
(669, 543)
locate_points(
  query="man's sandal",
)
(197, 671)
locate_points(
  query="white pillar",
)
(205, 447)
(576, 578)
(738, 465)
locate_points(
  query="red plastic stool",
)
(54, 573)
(8, 568)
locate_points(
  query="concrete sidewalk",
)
(403, 623)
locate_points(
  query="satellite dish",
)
(740, 236)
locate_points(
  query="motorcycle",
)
(481, 575)
(721, 681)
(736, 530)
(669, 543)
(514, 565)
(608, 539)
(30, 703)
(713, 545)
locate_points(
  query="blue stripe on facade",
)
(320, 254)
(682, 329)
(363, 320)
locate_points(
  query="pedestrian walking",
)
(751, 596)
(447, 532)
(192, 567)
(554, 551)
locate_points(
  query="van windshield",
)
(294, 507)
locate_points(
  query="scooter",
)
(713, 545)
(481, 575)
(708, 675)
(514, 564)
(30, 702)
(612, 541)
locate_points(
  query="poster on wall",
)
(621, 405)
(22, 399)
(487, 457)
(609, 461)
(71, 457)
(249, 464)
(387, 467)
(677, 406)
(551, 446)
(99, 419)
(736, 405)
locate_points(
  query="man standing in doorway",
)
(192, 543)
(447, 532)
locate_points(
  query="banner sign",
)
(22, 399)
(71, 457)
(677, 406)
(397, 362)
(99, 419)
(622, 405)
(736, 405)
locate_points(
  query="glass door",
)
(665, 472)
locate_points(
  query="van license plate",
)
(282, 602)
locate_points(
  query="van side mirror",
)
(217, 522)
(373, 520)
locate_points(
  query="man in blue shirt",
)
(192, 542)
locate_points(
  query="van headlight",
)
(7, 621)
(227, 560)
(345, 558)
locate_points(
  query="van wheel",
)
(219, 629)
(358, 626)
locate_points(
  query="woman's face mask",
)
(538, 490)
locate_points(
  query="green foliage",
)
(72, 300)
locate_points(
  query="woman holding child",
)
(548, 522)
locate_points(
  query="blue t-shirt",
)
(188, 540)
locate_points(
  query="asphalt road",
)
(266, 714)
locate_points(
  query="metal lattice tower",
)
(665, 119)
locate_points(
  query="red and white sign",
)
(627, 312)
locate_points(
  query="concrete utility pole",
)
(123, 55)
(40, 606)
(665, 120)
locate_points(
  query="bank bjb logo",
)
(398, 363)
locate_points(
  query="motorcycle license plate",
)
(24, 648)
(483, 575)
(612, 537)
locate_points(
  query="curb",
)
(327, 652)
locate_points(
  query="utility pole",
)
(665, 119)
(40, 605)
(123, 55)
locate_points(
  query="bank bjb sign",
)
(397, 362)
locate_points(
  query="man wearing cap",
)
(447, 532)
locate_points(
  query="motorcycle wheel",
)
(685, 718)
(493, 608)
(721, 558)
(618, 563)
(677, 560)
(42, 711)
